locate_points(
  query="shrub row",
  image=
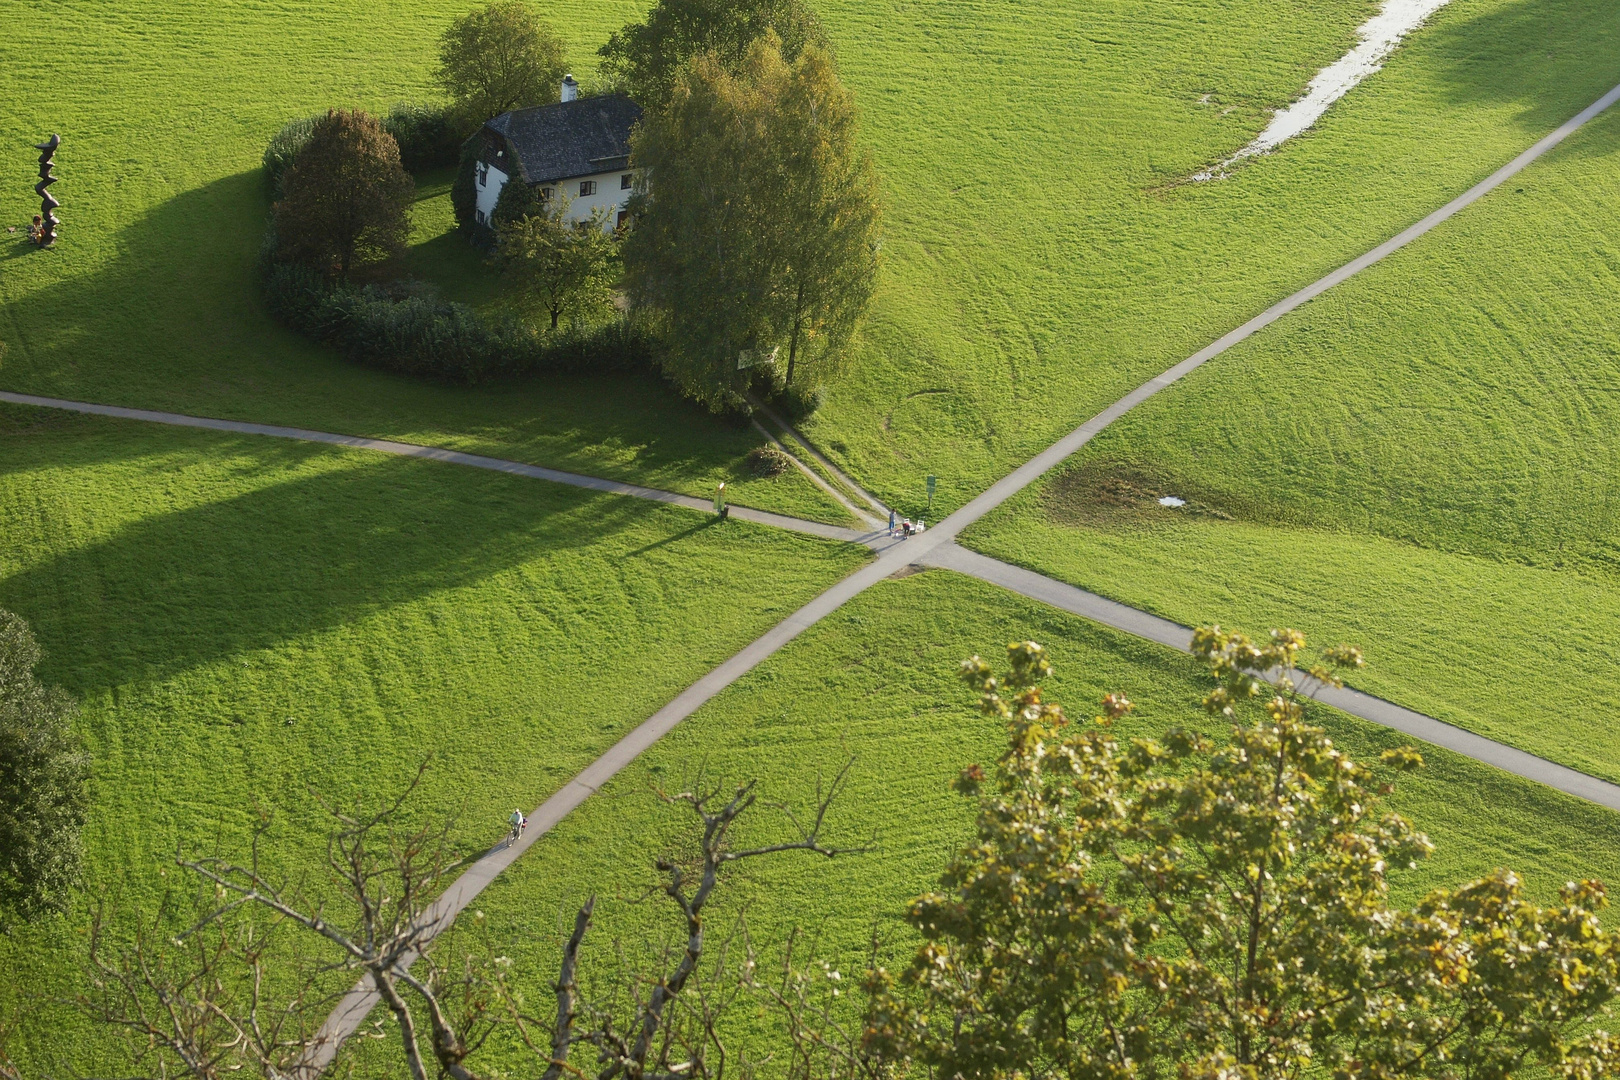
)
(422, 335)
(429, 137)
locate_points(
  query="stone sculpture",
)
(47, 204)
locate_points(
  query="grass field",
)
(244, 620)
(1041, 256)
(1419, 463)
(898, 706)
(1423, 462)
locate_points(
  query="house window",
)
(479, 214)
(624, 220)
(546, 193)
(483, 174)
(626, 182)
(587, 188)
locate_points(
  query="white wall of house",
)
(608, 193)
(489, 181)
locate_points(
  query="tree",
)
(345, 199)
(646, 59)
(194, 1002)
(1153, 908)
(762, 233)
(500, 58)
(561, 266)
(825, 209)
(43, 771)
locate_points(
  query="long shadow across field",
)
(185, 588)
(1483, 57)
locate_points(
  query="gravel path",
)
(935, 547)
(1140, 624)
(871, 538)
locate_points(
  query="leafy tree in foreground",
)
(647, 59)
(345, 198)
(762, 235)
(1159, 908)
(563, 268)
(498, 58)
(42, 781)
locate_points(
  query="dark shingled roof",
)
(571, 138)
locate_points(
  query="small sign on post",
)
(932, 482)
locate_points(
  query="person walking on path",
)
(518, 823)
(891, 522)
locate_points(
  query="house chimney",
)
(570, 88)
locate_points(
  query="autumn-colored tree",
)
(345, 199)
(561, 267)
(761, 235)
(500, 57)
(1166, 907)
(646, 59)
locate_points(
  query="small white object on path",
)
(1380, 35)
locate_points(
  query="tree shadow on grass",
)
(167, 314)
(181, 589)
(1551, 57)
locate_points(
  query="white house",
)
(579, 147)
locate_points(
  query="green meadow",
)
(877, 681)
(1042, 255)
(245, 621)
(1419, 463)
(1423, 462)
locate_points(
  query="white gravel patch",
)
(1380, 36)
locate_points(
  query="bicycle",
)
(518, 823)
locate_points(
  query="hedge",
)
(429, 137)
(420, 334)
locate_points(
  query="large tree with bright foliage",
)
(646, 59)
(500, 57)
(1139, 907)
(760, 237)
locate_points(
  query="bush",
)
(796, 402)
(767, 461)
(43, 777)
(414, 332)
(516, 201)
(345, 200)
(284, 146)
(429, 136)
